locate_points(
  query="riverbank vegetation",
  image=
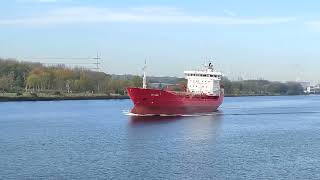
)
(21, 77)
(35, 79)
(261, 88)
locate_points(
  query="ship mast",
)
(144, 86)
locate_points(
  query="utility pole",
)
(97, 63)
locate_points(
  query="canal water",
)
(249, 138)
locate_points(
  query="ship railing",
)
(189, 94)
(180, 93)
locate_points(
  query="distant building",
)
(306, 86)
(313, 89)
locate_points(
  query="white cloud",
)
(313, 25)
(229, 13)
(137, 15)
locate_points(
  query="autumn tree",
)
(33, 82)
(5, 84)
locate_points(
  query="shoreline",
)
(60, 98)
(261, 95)
(91, 97)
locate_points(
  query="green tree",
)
(5, 84)
(137, 81)
(294, 88)
(227, 85)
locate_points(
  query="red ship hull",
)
(161, 102)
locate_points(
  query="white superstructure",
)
(205, 81)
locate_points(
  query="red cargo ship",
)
(204, 94)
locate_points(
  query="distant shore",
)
(47, 97)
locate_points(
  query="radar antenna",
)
(211, 59)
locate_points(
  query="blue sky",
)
(275, 40)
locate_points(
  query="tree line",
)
(16, 76)
(261, 87)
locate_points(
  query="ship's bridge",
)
(204, 81)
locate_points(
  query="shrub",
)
(57, 93)
(18, 94)
(33, 94)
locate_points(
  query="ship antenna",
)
(144, 86)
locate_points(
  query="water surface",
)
(249, 138)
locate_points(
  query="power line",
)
(60, 58)
(96, 63)
(68, 63)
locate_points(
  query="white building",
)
(313, 89)
(205, 81)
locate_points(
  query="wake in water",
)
(128, 113)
